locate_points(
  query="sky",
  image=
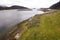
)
(29, 3)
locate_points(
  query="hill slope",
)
(42, 27)
(56, 6)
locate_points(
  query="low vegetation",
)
(42, 27)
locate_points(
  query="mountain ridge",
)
(12, 7)
(55, 6)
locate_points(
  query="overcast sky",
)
(29, 3)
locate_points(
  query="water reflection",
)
(12, 17)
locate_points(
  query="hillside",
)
(42, 27)
(56, 5)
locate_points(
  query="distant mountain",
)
(12, 7)
(44, 9)
(2, 7)
(56, 6)
(18, 7)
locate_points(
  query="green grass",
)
(43, 27)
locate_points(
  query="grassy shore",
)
(42, 27)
